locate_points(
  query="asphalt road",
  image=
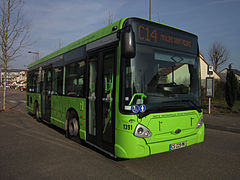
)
(15, 99)
(32, 150)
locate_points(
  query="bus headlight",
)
(200, 123)
(142, 131)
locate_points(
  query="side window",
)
(32, 82)
(29, 81)
(75, 79)
(48, 80)
(57, 81)
(35, 81)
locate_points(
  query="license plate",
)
(178, 145)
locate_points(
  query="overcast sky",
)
(56, 23)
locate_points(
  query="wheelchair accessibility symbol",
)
(135, 109)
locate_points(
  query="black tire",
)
(72, 125)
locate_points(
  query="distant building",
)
(223, 73)
(15, 78)
(204, 72)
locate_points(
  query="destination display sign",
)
(164, 36)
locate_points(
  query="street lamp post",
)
(1, 74)
(35, 52)
(149, 9)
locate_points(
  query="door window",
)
(92, 96)
(107, 97)
(100, 100)
(57, 81)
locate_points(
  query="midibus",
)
(130, 89)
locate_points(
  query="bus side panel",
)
(31, 99)
(129, 146)
(79, 105)
(126, 144)
(57, 114)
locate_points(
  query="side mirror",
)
(128, 42)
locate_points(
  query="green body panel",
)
(126, 144)
(32, 98)
(58, 115)
(162, 127)
(129, 146)
(160, 147)
(60, 106)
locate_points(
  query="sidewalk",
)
(224, 122)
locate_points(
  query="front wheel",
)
(72, 125)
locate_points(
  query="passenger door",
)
(46, 95)
(100, 114)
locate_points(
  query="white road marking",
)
(12, 101)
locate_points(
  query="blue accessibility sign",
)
(135, 109)
(142, 108)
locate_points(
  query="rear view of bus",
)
(159, 95)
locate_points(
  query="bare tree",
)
(13, 34)
(218, 54)
(110, 17)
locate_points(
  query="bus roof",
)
(92, 37)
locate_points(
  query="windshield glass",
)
(160, 79)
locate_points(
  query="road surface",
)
(32, 150)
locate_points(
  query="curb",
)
(222, 128)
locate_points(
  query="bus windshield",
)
(161, 80)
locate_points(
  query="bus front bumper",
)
(165, 145)
(130, 146)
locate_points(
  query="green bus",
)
(130, 89)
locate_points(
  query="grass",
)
(220, 106)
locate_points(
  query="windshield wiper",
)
(199, 108)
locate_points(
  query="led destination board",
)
(164, 36)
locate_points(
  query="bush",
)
(238, 92)
(219, 89)
(231, 88)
